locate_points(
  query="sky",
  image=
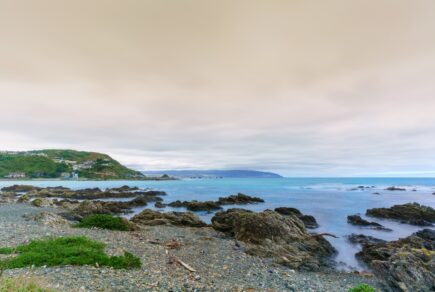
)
(302, 88)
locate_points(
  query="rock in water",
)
(411, 213)
(357, 220)
(407, 264)
(364, 239)
(269, 234)
(150, 217)
(309, 221)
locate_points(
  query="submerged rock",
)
(407, 264)
(150, 217)
(357, 220)
(364, 239)
(159, 205)
(308, 220)
(269, 234)
(395, 189)
(411, 213)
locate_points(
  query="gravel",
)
(220, 262)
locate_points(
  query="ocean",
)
(329, 200)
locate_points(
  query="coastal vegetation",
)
(62, 251)
(362, 288)
(65, 164)
(104, 221)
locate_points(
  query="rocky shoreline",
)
(273, 245)
(221, 263)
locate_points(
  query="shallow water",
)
(330, 200)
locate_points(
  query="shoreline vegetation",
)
(276, 244)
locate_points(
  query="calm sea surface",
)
(330, 200)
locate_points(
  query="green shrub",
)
(362, 288)
(63, 251)
(104, 221)
(21, 284)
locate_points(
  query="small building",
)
(65, 175)
(16, 175)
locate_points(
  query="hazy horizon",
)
(328, 89)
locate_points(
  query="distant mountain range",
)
(214, 173)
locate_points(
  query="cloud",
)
(336, 88)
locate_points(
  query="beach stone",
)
(46, 218)
(406, 264)
(150, 217)
(411, 213)
(269, 234)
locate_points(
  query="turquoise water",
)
(330, 200)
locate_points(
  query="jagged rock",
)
(364, 239)
(395, 189)
(40, 202)
(407, 264)
(159, 205)
(124, 188)
(357, 220)
(87, 207)
(19, 188)
(269, 234)
(196, 205)
(150, 217)
(239, 199)
(309, 221)
(47, 218)
(411, 213)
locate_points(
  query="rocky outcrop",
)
(308, 220)
(407, 264)
(364, 239)
(239, 199)
(124, 188)
(159, 205)
(150, 217)
(196, 205)
(358, 221)
(411, 213)
(46, 218)
(269, 234)
(19, 188)
(40, 202)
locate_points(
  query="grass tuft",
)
(104, 221)
(362, 288)
(22, 284)
(66, 251)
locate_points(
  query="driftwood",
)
(324, 234)
(173, 258)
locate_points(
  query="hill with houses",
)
(62, 164)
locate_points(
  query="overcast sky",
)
(303, 88)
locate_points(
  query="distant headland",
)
(214, 173)
(66, 164)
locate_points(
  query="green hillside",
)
(63, 164)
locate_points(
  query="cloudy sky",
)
(304, 88)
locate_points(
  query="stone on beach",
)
(150, 217)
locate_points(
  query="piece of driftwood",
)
(324, 234)
(173, 259)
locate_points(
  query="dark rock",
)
(364, 239)
(357, 220)
(308, 220)
(239, 199)
(407, 264)
(19, 188)
(395, 189)
(269, 234)
(411, 213)
(150, 217)
(160, 205)
(376, 193)
(196, 205)
(124, 188)
(288, 211)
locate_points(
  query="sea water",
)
(329, 200)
